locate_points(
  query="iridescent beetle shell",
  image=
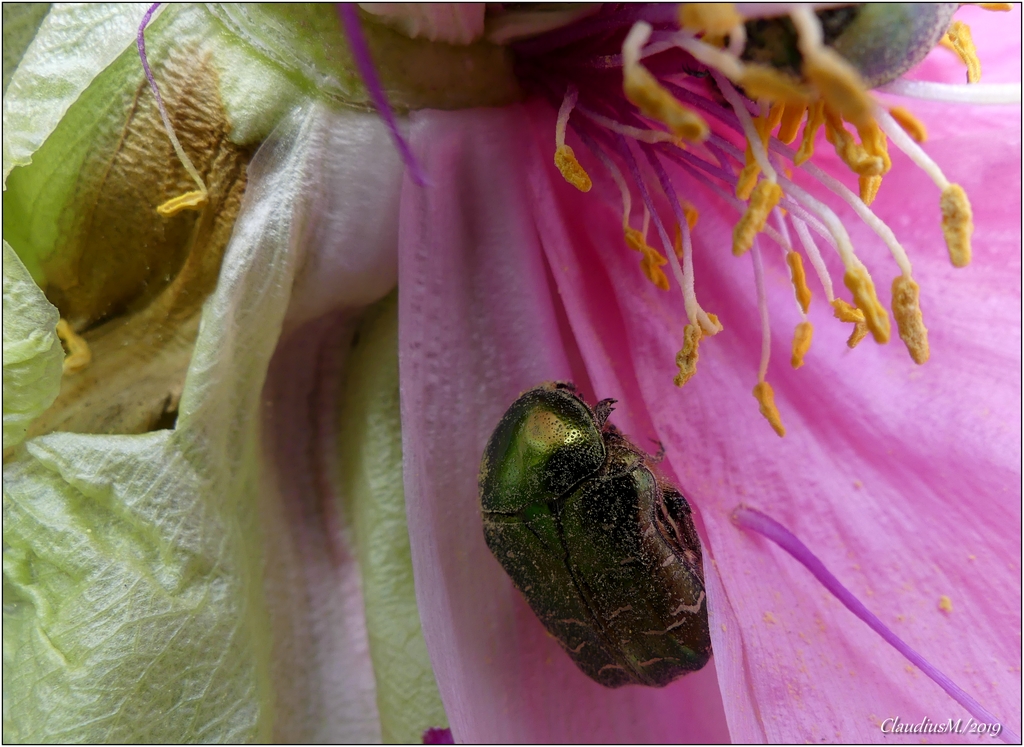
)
(603, 550)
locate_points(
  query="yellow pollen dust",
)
(791, 119)
(765, 82)
(79, 356)
(861, 286)
(906, 307)
(945, 604)
(687, 357)
(957, 224)
(643, 90)
(193, 200)
(910, 124)
(766, 399)
(959, 35)
(716, 19)
(840, 85)
(815, 119)
(571, 170)
(799, 277)
(801, 343)
(765, 197)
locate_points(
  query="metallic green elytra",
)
(603, 549)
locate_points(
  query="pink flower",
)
(902, 479)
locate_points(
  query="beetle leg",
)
(602, 410)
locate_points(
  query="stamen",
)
(763, 390)
(908, 123)
(854, 155)
(801, 343)
(364, 65)
(643, 135)
(684, 274)
(791, 119)
(906, 308)
(649, 96)
(79, 355)
(817, 261)
(957, 224)
(717, 19)
(765, 197)
(836, 79)
(749, 130)
(862, 287)
(190, 200)
(957, 217)
(799, 278)
(815, 119)
(686, 358)
(979, 93)
(754, 520)
(959, 35)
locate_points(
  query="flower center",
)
(723, 97)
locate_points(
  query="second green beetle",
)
(604, 551)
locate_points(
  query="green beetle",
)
(603, 549)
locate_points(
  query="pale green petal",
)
(74, 44)
(32, 352)
(21, 21)
(371, 475)
(134, 609)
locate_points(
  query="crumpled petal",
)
(478, 324)
(32, 352)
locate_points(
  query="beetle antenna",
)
(603, 409)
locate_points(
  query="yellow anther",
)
(691, 214)
(875, 143)
(869, 188)
(959, 35)
(765, 197)
(635, 240)
(571, 170)
(655, 102)
(844, 312)
(840, 85)
(906, 307)
(801, 343)
(862, 287)
(766, 398)
(79, 356)
(799, 277)
(652, 264)
(853, 154)
(860, 331)
(957, 224)
(910, 124)
(765, 82)
(994, 6)
(791, 120)
(687, 357)
(747, 179)
(713, 318)
(711, 18)
(189, 201)
(815, 119)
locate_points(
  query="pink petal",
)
(902, 479)
(477, 327)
